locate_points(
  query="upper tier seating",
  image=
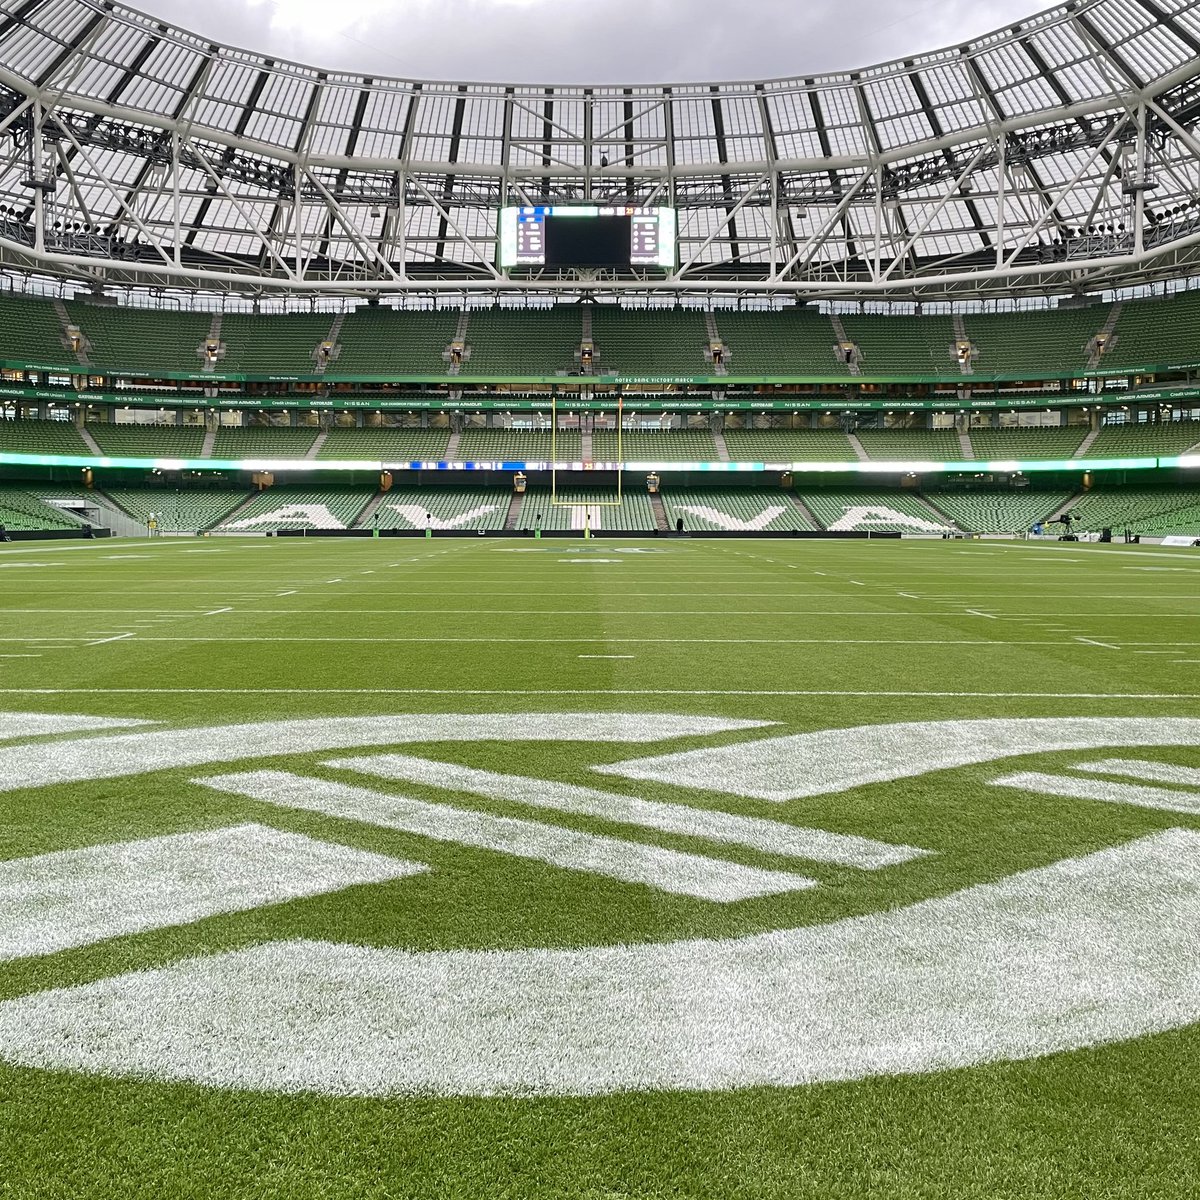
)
(737, 509)
(998, 512)
(384, 341)
(1027, 442)
(518, 445)
(634, 341)
(920, 445)
(41, 437)
(1139, 441)
(520, 341)
(148, 441)
(788, 445)
(263, 441)
(30, 331)
(917, 346)
(666, 445)
(141, 340)
(386, 445)
(799, 341)
(1052, 344)
(272, 345)
(1156, 333)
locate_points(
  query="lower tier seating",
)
(442, 508)
(739, 510)
(282, 508)
(179, 511)
(898, 512)
(21, 510)
(573, 507)
(1153, 512)
(998, 512)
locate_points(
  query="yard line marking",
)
(813, 764)
(518, 692)
(20, 656)
(606, 656)
(771, 837)
(631, 862)
(119, 637)
(216, 612)
(298, 639)
(1100, 789)
(291, 593)
(976, 613)
(1156, 772)
(71, 898)
(1093, 642)
(908, 595)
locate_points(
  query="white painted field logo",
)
(1084, 952)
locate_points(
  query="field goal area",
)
(557, 501)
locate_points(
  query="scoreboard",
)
(587, 236)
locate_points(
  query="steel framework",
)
(1061, 153)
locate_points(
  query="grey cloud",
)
(618, 41)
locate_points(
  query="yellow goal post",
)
(555, 501)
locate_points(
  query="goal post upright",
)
(555, 501)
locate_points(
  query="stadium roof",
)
(1061, 152)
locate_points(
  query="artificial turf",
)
(807, 635)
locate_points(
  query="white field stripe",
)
(76, 897)
(522, 692)
(133, 754)
(1102, 789)
(1086, 952)
(631, 862)
(1157, 772)
(771, 837)
(607, 639)
(812, 764)
(17, 725)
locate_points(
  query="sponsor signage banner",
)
(632, 404)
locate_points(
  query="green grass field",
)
(1008, 1007)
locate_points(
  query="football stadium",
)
(834, 833)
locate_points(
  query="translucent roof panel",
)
(1022, 138)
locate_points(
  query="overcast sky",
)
(594, 41)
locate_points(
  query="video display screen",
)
(587, 236)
